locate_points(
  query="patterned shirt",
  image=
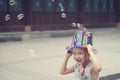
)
(86, 76)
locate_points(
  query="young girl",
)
(87, 66)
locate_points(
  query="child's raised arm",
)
(96, 67)
(64, 70)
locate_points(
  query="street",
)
(40, 59)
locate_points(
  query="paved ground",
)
(40, 58)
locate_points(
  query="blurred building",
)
(57, 14)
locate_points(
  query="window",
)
(15, 5)
(3, 5)
(37, 5)
(48, 6)
(104, 6)
(96, 7)
(72, 6)
(111, 3)
(87, 6)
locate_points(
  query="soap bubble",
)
(53, 0)
(32, 52)
(20, 16)
(63, 15)
(12, 2)
(73, 24)
(7, 17)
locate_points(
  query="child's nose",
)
(78, 56)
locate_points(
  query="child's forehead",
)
(77, 49)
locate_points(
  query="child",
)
(87, 66)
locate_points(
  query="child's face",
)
(79, 55)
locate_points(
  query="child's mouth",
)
(78, 61)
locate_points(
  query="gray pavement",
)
(38, 56)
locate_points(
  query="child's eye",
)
(74, 53)
(80, 53)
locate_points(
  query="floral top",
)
(86, 76)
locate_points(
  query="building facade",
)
(57, 14)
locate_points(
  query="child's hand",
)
(69, 53)
(90, 48)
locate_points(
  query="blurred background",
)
(15, 15)
(35, 33)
